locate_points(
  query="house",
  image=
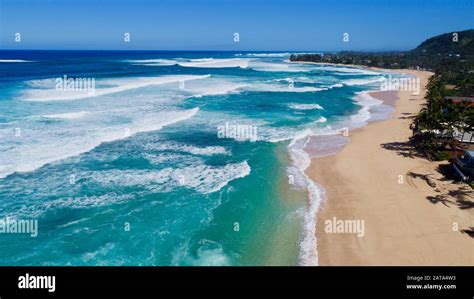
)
(463, 139)
(456, 100)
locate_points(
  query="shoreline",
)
(377, 179)
(408, 71)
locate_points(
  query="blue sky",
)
(210, 24)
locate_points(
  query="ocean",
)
(169, 157)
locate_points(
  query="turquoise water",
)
(136, 172)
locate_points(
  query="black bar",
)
(191, 282)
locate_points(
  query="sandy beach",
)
(380, 179)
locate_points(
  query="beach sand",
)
(379, 178)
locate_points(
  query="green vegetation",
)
(450, 57)
(434, 125)
(452, 60)
(442, 156)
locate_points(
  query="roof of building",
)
(459, 99)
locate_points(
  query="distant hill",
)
(444, 44)
(452, 60)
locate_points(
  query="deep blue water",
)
(134, 172)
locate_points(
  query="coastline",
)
(377, 178)
(360, 66)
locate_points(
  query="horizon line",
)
(177, 50)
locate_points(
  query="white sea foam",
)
(254, 63)
(302, 79)
(196, 63)
(264, 54)
(195, 150)
(300, 162)
(363, 115)
(13, 60)
(326, 145)
(69, 115)
(163, 62)
(37, 209)
(51, 94)
(305, 106)
(346, 70)
(337, 85)
(205, 151)
(73, 222)
(310, 81)
(278, 67)
(80, 202)
(166, 157)
(209, 254)
(302, 148)
(211, 257)
(206, 179)
(297, 79)
(216, 63)
(280, 88)
(36, 147)
(215, 88)
(322, 119)
(42, 83)
(202, 178)
(353, 82)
